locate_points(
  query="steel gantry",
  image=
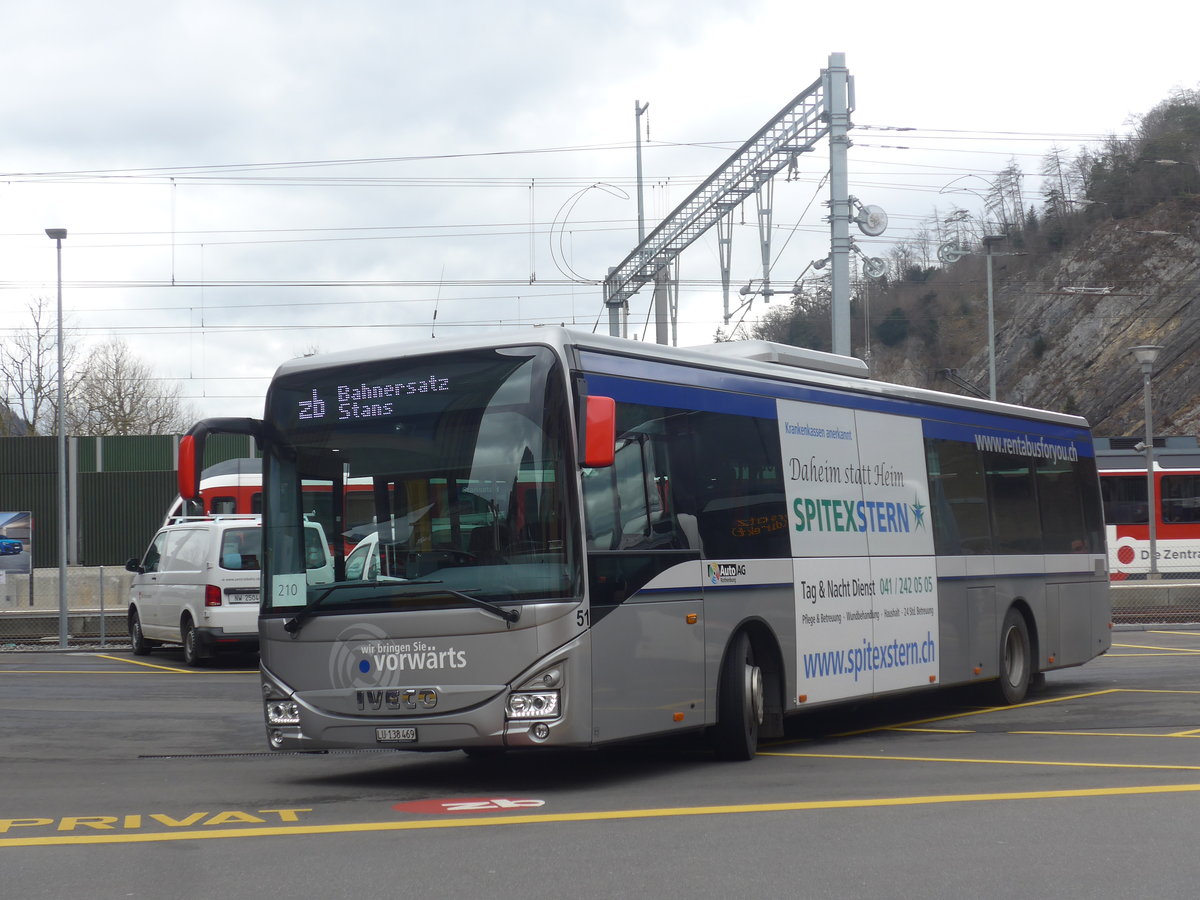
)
(823, 108)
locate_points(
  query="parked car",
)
(10, 547)
(198, 584)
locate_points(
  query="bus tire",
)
(137, 641)
(191, 646)
(739, 702)
(1016, 659)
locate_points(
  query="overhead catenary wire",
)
(879, 167)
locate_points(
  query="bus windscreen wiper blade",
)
(293, 625)
(508, 615)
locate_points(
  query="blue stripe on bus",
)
(648, 594)
(680, 396)
(709, 586)
(631, 380)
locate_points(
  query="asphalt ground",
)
(139, 777)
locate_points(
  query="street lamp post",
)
(988, 241)
(1146, 355)
(57, 235)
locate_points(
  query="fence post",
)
(103, 622)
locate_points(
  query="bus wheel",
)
(1016, 660)
(191, 648)
(137, 641)
(739, 702)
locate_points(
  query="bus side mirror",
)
(191, 460)
(600, 432)
(191, 448)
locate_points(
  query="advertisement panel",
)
(16, 543)
(865, 574)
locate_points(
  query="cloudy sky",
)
(247, 181)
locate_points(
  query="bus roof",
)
(763, 358)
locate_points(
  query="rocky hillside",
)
(1065, 321)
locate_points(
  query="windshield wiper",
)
(293, 625)
(508, 615)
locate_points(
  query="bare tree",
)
(802, 323)
(1057, 185)
(901, 258)
(1005, 201)
(29, 368)
(115, 393)
(924, 245)
(960, 227)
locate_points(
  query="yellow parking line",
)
(138, 662)
(984, 762)
(1002, 709)
(595, 816)
(173, 670)
(975, 712)
(1182, 650)
(96, 672)
(1130, 734)
(933, 730)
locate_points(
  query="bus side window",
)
(1064, 526)
(1016, 523)
(223, 506)
(632, 504)
(958, 498)
(741, 505)
(600, 509)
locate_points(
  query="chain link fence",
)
(97, 597)
(30, 609)
(1156, 602)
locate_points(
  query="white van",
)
(198, 584)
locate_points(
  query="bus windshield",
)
(440, 479)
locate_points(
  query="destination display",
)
(381, 399)
(360, 396)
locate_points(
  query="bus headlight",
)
(532, 705)
(283, 712)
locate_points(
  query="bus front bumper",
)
(294, 726)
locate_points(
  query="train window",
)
(1124, 499)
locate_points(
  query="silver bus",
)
(555, 539)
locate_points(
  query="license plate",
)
(395, 735)
(243, 598)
